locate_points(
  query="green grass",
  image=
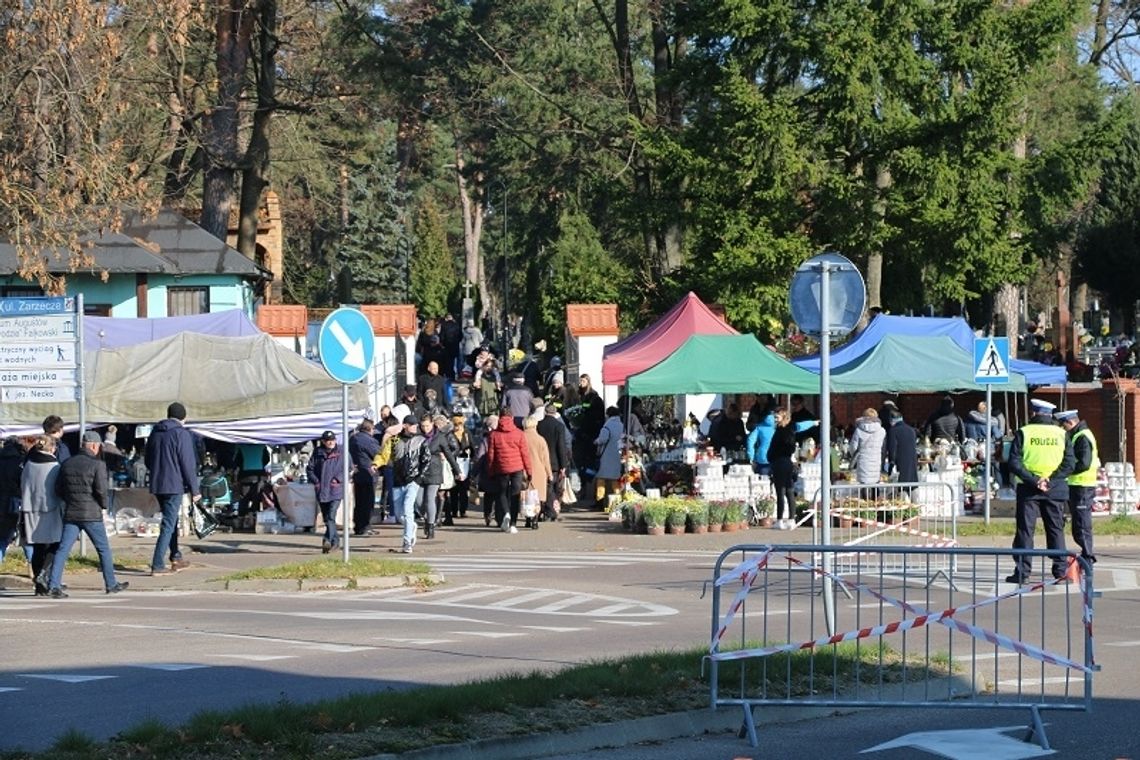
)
(1116, 525)
(509, 705)
(331, 567)
(15, 564)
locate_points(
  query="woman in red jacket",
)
(508, 462)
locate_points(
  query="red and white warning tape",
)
(749, 570)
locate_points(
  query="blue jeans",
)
(171, 505)
(98, 535)
(404, 507)
(328, 514)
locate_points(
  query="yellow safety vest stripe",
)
(1086, 478)
(1042, 448)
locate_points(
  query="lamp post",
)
(404, 250)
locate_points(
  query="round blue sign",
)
(346, 345)
(846, 294)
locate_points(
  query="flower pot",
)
(767, 522)
(701, 528)
(675, 530)
(744, 524)
(714, 527)
(655, 530)
(844, 522)
(730, 527)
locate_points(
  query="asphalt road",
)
(104, 663)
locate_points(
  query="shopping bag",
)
(566, 495)
(448, 475)
(530, 504)
(202, 521)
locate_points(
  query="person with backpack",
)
(410, 459)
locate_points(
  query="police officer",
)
(1041, 457)
(1082, 483)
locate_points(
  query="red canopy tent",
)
(646, 348)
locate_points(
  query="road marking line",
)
(1119, 643)
(65, 677)
(9, 688)
(1123, 579)
(986, 655)
(482, 592)
(257, 657)
(171, 666)
(625, 622)
(554, 628)
(516, 600)
(1038, 681)
(423, 642)
(487, 634)
(613, 609)
(567, 602)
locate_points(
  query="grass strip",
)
(510, 705)
(333, 567)
(1116, 525)
(16, 564)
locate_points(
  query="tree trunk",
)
(472, 211)
(233, 28)
(255, 175)
(875, 256)
(666, 99)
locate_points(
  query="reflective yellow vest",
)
(1042, 448)
(1087, 478)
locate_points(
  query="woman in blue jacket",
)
(758, 441)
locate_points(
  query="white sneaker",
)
(514, 529)
(507, 527)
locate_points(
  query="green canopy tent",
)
(722, 364)
(900, 364)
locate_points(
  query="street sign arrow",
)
(353, 349)
(967, 744)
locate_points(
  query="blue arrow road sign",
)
(991, 360)
(346, 345)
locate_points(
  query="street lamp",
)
(404, 250)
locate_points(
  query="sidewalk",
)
(577, 531)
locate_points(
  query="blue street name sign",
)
(346, 345)
(11, 307)
(991, 360)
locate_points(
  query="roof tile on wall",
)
(283, 320)
(591, 319)
(386, 319)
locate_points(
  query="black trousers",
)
(456, 502)
(1052, 513)
(1080, 510)
(43, 555)
(364, 496)
(784, 483)
(507, 499)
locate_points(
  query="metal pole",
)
(989, 448)
(825, 439)
(345, 486)
(81, 397)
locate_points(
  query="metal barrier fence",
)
(889, 514)
(901, 641)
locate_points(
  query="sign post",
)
(347, 346)
(827, 297)
(991, 367)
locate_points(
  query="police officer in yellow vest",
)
(1082, 483)
(1041, 457)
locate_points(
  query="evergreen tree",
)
(369, 246)
(435, 275)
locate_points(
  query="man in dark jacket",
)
(433, 380)
(362, 449)
(901, 445)
(11, 467)
(173, 468)
(326, 472)
(82, 485)
(552, 430)
(944, 423)
(1041, 456)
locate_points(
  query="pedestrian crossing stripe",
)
(64, 677)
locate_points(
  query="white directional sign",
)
(46, 395)
(347, 345)
(38, 377)
(19, 355)
(38, 329)
(967, 744)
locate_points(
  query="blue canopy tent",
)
(955, 328)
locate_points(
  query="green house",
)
(155, 266)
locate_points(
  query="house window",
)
(20, 291)
(97, 309)
(185, 302)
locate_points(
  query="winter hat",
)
(176, 411)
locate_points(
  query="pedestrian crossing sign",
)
(991, 360)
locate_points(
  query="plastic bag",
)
(202, 521)
(566, 494)
(529, 503)
(448, 475)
